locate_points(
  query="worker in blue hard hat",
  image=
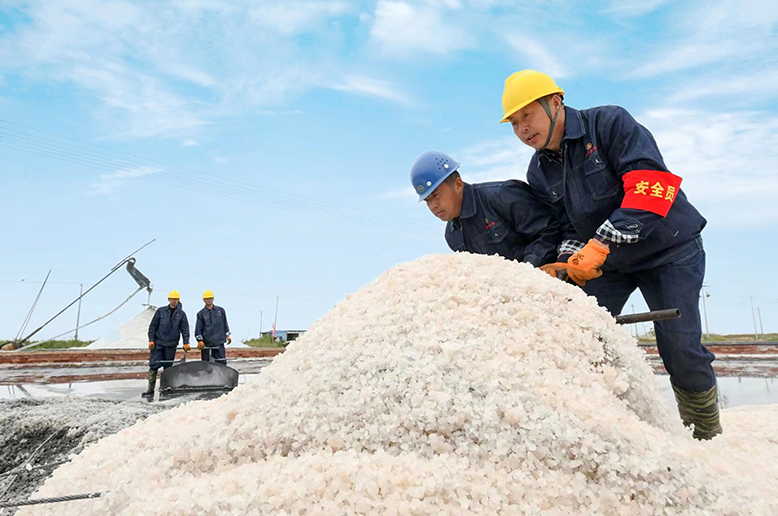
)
(168, 325)
(502, 217)
(212, 330)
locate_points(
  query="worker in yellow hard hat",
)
(626, 224)
(167, 326)
(212, 330)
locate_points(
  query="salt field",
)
(450, 385)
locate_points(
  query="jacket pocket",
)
(555, 192)
(600, 180)
(496, 234)
(492, 239)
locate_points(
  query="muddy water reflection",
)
(735, 390)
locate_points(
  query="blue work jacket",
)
(584, 188)
(211, 326)
(167, 325)
(504, 218)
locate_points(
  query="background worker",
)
(212, 330)
(169, 322)
(501, 217)
(608, 186)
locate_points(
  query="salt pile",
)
(133, 334)
(453, 384)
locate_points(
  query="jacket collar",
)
(574, 126)
(468, 202)
(574, 129)
(468, 206)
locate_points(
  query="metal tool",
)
(655, 315)
(197, 376)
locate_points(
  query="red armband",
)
(650, 190)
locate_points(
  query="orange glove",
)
(229, 339)
(187, 347)
(200, 344)
(553, 269)
(586, 264)
(151, 345)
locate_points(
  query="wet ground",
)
(38, 435)
(42, 424)
(96, 372)
(734, 391)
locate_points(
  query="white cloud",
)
(108, 184)
(373, 87)
(165, 71)
(401, 29)
(190, 143)
(290, 18)
(495, 160)
(727, 161)
(735, 88)
(538, 55)
(722, 33)
(632, 8)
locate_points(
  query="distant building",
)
(284, 335)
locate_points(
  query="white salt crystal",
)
(453, 384)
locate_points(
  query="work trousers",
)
(675, 284)
(218, 352)
(162, 356)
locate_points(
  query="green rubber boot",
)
(700, 409)
(152, 378)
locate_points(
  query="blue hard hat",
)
(430, 170)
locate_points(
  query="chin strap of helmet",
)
(544, 103)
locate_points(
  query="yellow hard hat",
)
(207, 294)
(174, 295)
(524, 87)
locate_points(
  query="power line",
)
(108, 160)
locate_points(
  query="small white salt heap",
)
(453, 384)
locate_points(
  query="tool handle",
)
(656, 315)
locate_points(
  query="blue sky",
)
(267, 145)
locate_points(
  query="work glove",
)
(553, 269)
(229, 339)
(200, 345)
(151, 345)
(187, 347)
(586, 264)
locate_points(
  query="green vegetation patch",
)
(266, 341)
(63, 344)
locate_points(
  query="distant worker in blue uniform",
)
(168, 325)
(502, 217)
(626, 224)
(212, 330)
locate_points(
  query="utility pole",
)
(753, 316)
(275, 319)
(759, 313)
(637, 333)
(704, 294)
(260, 324)
(78, 317)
